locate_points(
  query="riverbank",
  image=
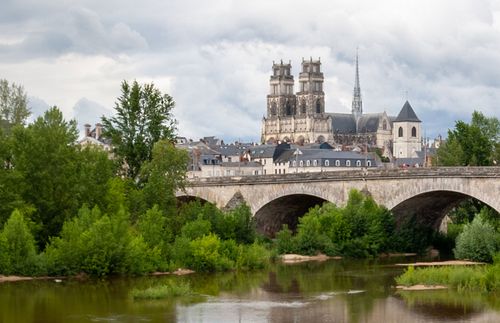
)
(459, 275)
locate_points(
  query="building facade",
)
(300, 117)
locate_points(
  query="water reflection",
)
(333, 291)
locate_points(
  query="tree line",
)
(66, 208)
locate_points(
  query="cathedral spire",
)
(357, 103)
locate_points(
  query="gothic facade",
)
(300, 117)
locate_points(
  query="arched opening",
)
(320, 139)
(414, 132)
(271, 141)
(303, 107)
(300, 140)
(273, 108)
(318, 106)
(288, 111)
(400, 132)
(430, 208)
(284, 210)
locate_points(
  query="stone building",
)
(301, 118)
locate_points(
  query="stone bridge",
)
(278, 199)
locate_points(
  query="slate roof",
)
(262, 151)
(368, 122)
(343, 123)
(407, 114)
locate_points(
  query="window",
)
(315, 162)
(413, 132)
(337, 163)
(294, 163)
(318, 106)
(301, 163)
(273, 108)
(276, 171)
(384, 125)
(400, 132)
(348, 163)
(303, 107)
(327, 163)
(308, 163)
(358, 163)
(288, 109)
(369, 163)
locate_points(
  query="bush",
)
(17, 247)
(206, 255)
(478, 241)
(285, 242)
(252, 256)
(170, 289)
(196, 229)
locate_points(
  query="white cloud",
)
(215, 57)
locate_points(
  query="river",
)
(331, 291)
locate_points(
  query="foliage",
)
(163, 175)
(13, 105)
(17, 247)
(474, 144)
(169, 289)
(99, 245)
(47, 162)
(478, 241)
(471, 278)
(207, 255)
(143, 117)
(412, 236)
(360, 229)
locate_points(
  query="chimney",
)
(98, 131)
(87, 130)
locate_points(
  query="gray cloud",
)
(215, 57)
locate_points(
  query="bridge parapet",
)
(363, 174)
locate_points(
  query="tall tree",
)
(143, 117)
(474, 144)
(163, 175)
(45, 155)
(13, 105)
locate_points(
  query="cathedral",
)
(301, 118)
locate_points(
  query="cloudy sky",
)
(214, 57)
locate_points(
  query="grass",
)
(170, 289)
(471, 278)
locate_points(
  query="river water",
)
(331, 291)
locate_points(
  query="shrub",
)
(206, 255)
(169, 289)
(285, 242)
(252, 256)
(17, 247)
(196, 229)
(478, 241)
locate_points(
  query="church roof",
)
(343, 123)
(369, 122)
(407, 114)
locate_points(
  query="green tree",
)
(46, 156)
(164, 175)
(143, 117)
(13, 105)
(479, 240)
(474, 144)
(17, 247)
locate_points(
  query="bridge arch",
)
(431, 205)
(284, 209)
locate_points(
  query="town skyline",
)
(215, 59)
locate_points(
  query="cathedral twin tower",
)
(283, 102)
(301, 118)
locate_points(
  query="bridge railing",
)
(357, 174)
